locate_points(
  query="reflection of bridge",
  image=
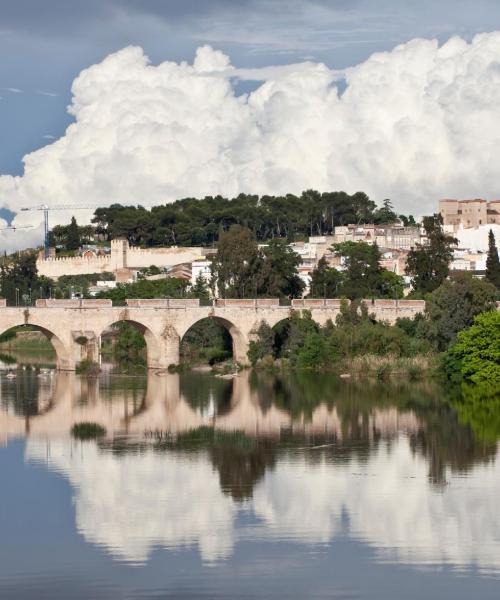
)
(75, 326)
(164, 409)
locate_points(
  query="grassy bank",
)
(27, 341)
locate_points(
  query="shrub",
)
(88, 367)
(475, 356)
(87, 430)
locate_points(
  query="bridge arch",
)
(153, 344)
(64, 357)
(239, 340)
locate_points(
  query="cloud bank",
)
(414, 124)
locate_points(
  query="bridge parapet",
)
(75, 303)
(246, 302)
(163, 302)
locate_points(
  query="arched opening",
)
(33, 345)
(283, 339)
(207, 341)
(213, 340)
(129, 344)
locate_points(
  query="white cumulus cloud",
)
(415, 124)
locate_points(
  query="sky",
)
(285, 95)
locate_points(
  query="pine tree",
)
(73, 241)
(492, 262)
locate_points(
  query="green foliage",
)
(129, 343)
(81, 340)
(326, 281)
(391, 285)
(453, 306)
(410, 326)
(492, 262)
(263, 345)
(361, 278)
(195, 222)
(59, 235)
(475, 356)
(308, 346)
(206, 341)
(66, 284)
(279, 276)
(143, 288)
(385, 215)
(429, 264)
(73, 241)
(242, 270)
(200, 290)
(87, 431)
(18, 272)
(88, 367)
(237, 266)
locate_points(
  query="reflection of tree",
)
(240, 460)
(200, 390)
(21, 393)
(240, 468)
(479, 407)
(444, 439)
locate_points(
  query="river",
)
(261, 486)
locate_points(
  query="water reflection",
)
(315, 460)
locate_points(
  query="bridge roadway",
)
(75, 327)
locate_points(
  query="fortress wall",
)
(78, 265)
(138, 258)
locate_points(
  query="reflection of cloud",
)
(389, 503)
(132, 503)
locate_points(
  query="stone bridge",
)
(75, 327)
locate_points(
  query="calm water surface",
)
(256, 487)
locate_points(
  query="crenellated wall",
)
(122, 256)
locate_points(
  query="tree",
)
(453, 306)
(200, 289)
(19, 278)
(477, 351)
(237, 266)
(408, 221)
(263, 345)
(362, 275)
(385, 214)
(429, 264)
(325, 281)
(279, 276)
(492, 262)
(73, 241)
(391, 285)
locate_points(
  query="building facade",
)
(469, 214)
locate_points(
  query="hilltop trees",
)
(196, 222)
(492, 262)
(429, 264)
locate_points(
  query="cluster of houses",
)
(468, 220)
